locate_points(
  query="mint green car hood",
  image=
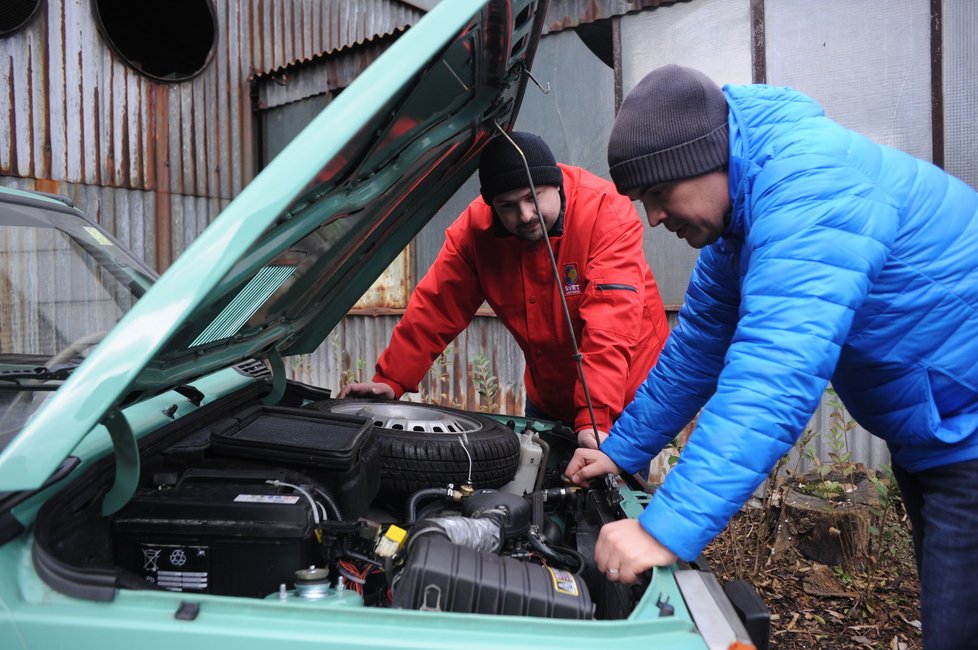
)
(281, 266)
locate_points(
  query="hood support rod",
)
(576, 351)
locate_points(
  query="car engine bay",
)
(348, 504)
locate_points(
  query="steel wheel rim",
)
(410, 417)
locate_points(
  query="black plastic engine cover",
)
(337, 451)
(440, 575)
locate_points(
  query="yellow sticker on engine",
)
(564, 582)
(97, 236)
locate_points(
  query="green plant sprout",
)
(486, 383)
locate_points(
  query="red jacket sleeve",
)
(441, 306)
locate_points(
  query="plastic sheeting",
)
(960, 72)
(711, 36)
(870, 69)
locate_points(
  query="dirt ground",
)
(816, 606)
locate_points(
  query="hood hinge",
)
(126, 463)
(278, 378)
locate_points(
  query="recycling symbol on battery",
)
(178, 557)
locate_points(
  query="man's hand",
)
(585, 438)
(625, 550)
(367, 389)
(588, 463)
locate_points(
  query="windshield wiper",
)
(56, 373)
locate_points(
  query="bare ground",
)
(816, 606)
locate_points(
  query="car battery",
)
(218, 531)
(337, 451)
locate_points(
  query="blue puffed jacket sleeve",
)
(687, 371)
(763, 328)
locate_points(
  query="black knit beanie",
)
(501, 168)
(671, 126)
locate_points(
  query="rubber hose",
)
(412, 504)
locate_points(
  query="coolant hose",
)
(543, 461)
(412, 504)
(567, 558)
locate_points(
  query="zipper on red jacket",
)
(618, 287)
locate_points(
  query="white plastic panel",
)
(867, 63)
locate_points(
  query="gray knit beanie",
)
(501, 168)
(671, 126)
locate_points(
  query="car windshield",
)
(64, 285)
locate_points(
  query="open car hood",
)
(286, 260)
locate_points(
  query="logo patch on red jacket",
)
(572, 280)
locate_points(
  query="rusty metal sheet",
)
(481, 354)
(393, 287)
(322, 75)
(71, 111)
(291, 32)
(567, 14)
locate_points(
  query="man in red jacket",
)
(495, 252)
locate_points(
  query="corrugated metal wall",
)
(73, 115)
(565, 14)
(288, 31)
(131, 214)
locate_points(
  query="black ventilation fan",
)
(14, 14)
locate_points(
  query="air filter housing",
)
(442, 576)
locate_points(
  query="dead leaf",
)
(897, 644)
(791, 623)
(914, 623)
(822, 582)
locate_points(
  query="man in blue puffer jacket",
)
(825, 257)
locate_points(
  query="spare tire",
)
(421, 445)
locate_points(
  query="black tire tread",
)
(413, 464)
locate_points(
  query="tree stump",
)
(834, 532)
